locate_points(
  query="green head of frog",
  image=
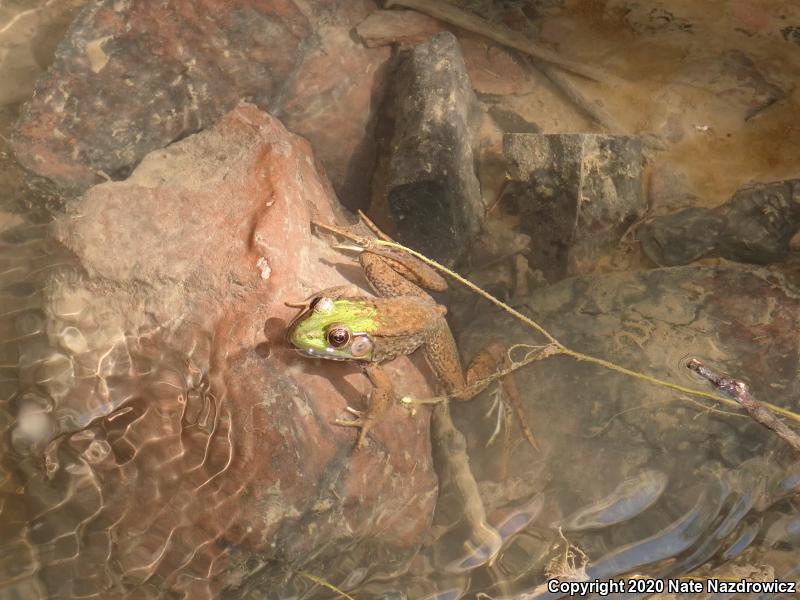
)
(335, 329)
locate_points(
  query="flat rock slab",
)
(755, 226)
(576, 194)
(599, 428)
(433, 192)
(132, 77)
(196, 448)
(742, 320)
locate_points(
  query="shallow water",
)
(109, 432)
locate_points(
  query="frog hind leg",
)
(393, 273)
(486, 362)
(382, 393)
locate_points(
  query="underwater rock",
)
(433, 192)
(785, 530)
(576, 194)
(598, 428)
(682, 237)
(748, 86)
(407, 27)
(133, 77)
(511, 122)
(761, 220)
(493, 69)
(332, 101)
(754, 226)
(207, 449)
(647, 20)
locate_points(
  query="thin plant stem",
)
(323, 583)
(559, 347)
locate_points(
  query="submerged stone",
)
(576, 194)
(598, 427)
(755, 226)
(131, 77)
(682, 237)
(433, 191)
(197, 456)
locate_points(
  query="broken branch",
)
(738, 391)
(459, 18)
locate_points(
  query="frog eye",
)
(361, 345)
(321, 304)
(338, 335)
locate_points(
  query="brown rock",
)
(128, 81)
(493, 69)
(576, 195)
(193, 483)
(407, 27)
(332, 102)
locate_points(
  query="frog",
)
(346, 324)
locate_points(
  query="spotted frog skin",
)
(345, 324)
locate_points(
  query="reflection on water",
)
(100, 425)
(109, 434)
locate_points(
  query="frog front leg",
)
(380, 398)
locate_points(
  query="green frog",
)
(344, 323)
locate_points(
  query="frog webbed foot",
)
(491, 358)
(363, 422)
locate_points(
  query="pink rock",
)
(191, 255)
(408, 27)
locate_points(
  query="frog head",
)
(334, 329)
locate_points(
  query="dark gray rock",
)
(576, 194)
(433, 192)
(754, 226)
(512, 122)
(121, 86)
(760, 221)
(682, 237)
(791, 34)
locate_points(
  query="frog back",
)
(404, 323)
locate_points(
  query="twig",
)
(459, 18)
(738, 391)
(561, 348)
(323, 583)
(548, 62)
(576, 96)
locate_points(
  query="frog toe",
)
(362, 423)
